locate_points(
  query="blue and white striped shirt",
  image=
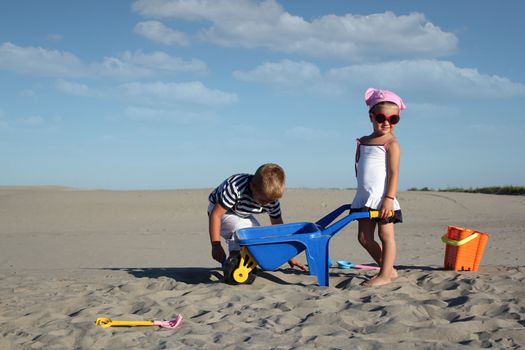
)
(235, 195)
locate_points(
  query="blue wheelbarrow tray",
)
(272, 246)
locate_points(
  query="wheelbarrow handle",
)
(375, 214)
(338, 225)
(327, 219)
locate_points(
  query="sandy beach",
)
(69, 256)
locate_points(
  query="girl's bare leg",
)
(365, 235)
(387, 273)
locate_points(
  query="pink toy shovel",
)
(347, 265)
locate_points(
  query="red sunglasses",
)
(381, 118)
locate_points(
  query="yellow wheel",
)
(246, 265)
(240, 275)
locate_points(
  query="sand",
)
(69, 256)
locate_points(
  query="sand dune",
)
(70, 256)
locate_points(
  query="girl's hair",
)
(374, 107)
(268, 180)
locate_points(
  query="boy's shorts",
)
(230, 224)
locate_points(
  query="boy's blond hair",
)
(269, 180)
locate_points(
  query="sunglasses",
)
(381, 118)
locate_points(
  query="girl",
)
(377, 169)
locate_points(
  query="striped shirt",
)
(235, 195)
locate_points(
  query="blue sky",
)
(181, 94)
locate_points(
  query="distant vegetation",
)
(508, 190)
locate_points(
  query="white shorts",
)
(230, 224)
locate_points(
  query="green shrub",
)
(506, 190)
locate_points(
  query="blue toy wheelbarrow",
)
(272, 246)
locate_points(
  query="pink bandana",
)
(375, 96)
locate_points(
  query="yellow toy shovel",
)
(106, 322)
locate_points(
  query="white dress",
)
(371, 172)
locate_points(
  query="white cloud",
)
(27, 93)
(31, 121)
(114, 67)
(188, 92)
(285, 73)
(52, 63)
(489, 130)
(40, 61)
(428, 77)
(156, 115)
(291, 76)
(72, 88)
(352, 38)
(430, 110)
(158, 32)
(54, 37)
(211, 10)
(28, 122)
(159, 60)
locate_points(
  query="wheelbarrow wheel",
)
(240, 269)
(241, 276)
(230, 266)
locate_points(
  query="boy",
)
(234, 202)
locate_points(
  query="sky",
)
(167, 94)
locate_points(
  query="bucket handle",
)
(458, 243)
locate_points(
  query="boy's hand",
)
(294, 263)
(217, 252)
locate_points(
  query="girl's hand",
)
(386, 208)
(294, 262)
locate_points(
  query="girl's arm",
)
(393, 159)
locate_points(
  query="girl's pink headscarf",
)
(375, 96)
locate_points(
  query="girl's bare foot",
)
(381, 279)
(377, 281)
(395, 275)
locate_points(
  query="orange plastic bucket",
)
(464, 248)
